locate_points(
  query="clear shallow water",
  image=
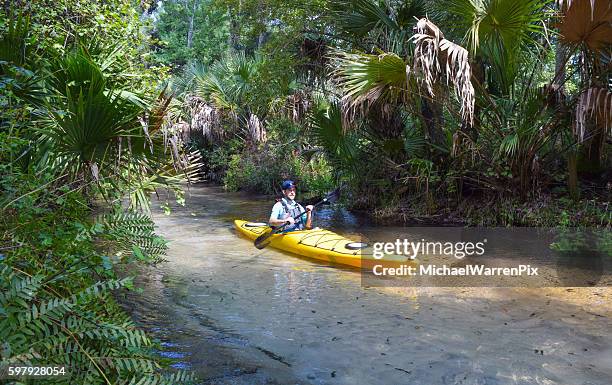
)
(238, 315)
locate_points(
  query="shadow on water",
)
(237, 315)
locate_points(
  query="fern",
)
(132, 235)
(97, 344)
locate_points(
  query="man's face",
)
(290, 193)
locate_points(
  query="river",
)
(237, 315)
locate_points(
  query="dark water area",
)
(237, 315)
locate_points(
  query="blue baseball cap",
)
(288, 184)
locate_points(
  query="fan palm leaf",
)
(213, 88)
(76, 73)
(367, 79)
(90, 125)
(360, 17)
(434, 55)
(587, 22)
(340, 146)
(372, 77)
(119, 137)
(497, 30)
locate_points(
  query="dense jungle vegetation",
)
(487, 112)
(83, 144)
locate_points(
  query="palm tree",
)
(585, 32)
(501, 37)
(341, 146)
(218, 95)
(418, 81)
(115, 137)
(497, 33)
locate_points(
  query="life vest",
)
(296, 211)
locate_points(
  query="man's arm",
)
(279, 222)
(309, 210)
(277, 210)
(306, 216)
(308, 224)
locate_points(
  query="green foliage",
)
(341, 147)
(190, 31)
(81, 128)
(372, 77)
(360, 17)
(502, 31)
(264, 173)
(14, 47)
(228, 81)
(548, 212)
(41, 326)
(57, 272)
(102, 26)
(274, 22)
(131, 236)
(386, 94)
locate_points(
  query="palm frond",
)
(360, 17)
(75, 74)
(222, 94)
(414, 142)
(587, 22)
(326, 125)
(431, 48)
(84, 133)
(256, 129)
(369, 78)
(497, 30)
(595, 102)
(205, 118)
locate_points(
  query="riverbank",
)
(234, 314)
(548, 210)
(545, 210)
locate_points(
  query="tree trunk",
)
(234, 30)
(234, 37)
(558, 92)
(572, 175)
(191, 19)
(432, 115)
(559, 80)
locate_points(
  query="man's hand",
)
(309, 208)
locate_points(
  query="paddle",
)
(260, 242)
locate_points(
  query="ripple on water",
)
(170, 354)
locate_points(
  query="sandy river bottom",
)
(237, 315)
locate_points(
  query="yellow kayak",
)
(320, 244)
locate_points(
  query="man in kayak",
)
(285, 210)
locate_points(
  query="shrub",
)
(263, 172)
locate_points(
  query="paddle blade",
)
(264, 239)
(332, 196)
